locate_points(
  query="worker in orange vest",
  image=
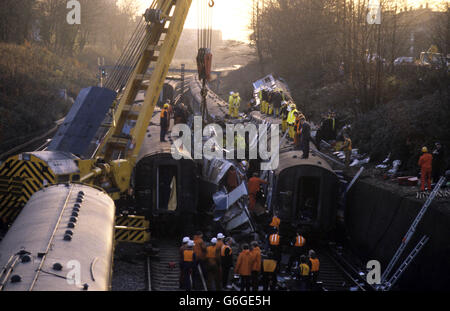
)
(200, 254)
(425, 163)
(164, 122)
(213, 263)
(189, 262)
(275, 223)
(226, 259)
(297, 249)
(244, 267)
(255, 252)
(254, 185)
(314, 264)
(274, 245)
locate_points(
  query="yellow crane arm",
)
(166, 20)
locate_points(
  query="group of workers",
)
(271, 101)
(432, 166)
(210, 264)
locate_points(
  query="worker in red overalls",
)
(425, 163)
(253, 188)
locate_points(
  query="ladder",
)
(406, 263)
(411, 230)
(354, 180)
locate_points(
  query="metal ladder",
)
(411, 230)
(406, 263)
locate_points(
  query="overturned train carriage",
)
(165, 188)
(305, 193)
(63, 240)
(24, 174)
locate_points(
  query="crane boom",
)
(164, 35)
(111, 162)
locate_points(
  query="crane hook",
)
(211, 3)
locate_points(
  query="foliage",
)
(31, 78)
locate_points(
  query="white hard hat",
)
(190, 243)
(231, 93)
(186, 239)
(213, 240)
(220, 236)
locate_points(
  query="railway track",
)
(163, 268)
(334, 276)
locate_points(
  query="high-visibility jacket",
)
(298, 126)
(224, 247)
(300, 241)
(234, 101)
(291, 116)
(347, 145)
(256, 259)
(426, 161)
(243, 264)
(219, 245)
(275, 222)
(188, 255)
(199, 248)
(274, 239)
(304, 269)
(211, 252)
(254, 184)
(269, 265)
(315, 264)
(164, 113)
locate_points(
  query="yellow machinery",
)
(111, 165)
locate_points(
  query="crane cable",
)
(204, 42)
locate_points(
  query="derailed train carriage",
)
(165, 188)
(304, 193)
(63, 240)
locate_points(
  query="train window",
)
(307, 199)
(62, 179)
(166, 188)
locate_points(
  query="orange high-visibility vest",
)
(224, 247)
(188, 255)
(211, 251)
(315, 264)
(162, 112)
(274, 239)
(299, 241)
(275, 222)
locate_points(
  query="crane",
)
(96, 145)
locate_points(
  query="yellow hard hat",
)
(166, 105)
(424, 149)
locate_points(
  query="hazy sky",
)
(233, 17)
